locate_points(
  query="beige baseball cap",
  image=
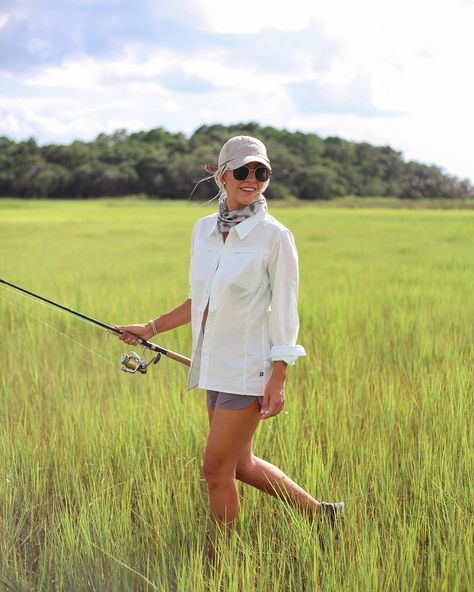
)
(241, 150)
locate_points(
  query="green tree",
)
(163, 164)
(322, 183)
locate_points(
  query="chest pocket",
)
(202, 263)
(242, 269)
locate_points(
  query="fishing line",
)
(57, 330)
(44, 304)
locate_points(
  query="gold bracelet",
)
(154, 327)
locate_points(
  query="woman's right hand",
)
(131, 332)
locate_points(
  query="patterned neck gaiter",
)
(228, 218)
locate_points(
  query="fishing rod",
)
(129, 362)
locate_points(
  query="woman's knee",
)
(216, 472)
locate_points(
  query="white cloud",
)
(4, 18)
(395, 73)
(249, 16)
(90, 96)
(72, 74)
(414, 56)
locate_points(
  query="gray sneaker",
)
(333, 511)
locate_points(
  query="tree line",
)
(165, 165)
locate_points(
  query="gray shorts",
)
(230, 401)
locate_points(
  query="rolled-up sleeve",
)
(284, 321)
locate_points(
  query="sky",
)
(385, 72)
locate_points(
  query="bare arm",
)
(181, 315)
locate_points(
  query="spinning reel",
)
(134, 363)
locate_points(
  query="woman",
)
(243, 310)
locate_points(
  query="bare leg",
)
(229, 435)
(229, 457)
(268, 478)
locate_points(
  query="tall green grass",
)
(101, 484)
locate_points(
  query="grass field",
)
(100, 471)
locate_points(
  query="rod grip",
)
(178, 357)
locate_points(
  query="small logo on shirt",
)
(261, 374)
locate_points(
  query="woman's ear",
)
(221, 177)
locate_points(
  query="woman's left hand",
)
(274, 394)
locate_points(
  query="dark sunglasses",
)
(262, 174)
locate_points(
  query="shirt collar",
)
(245, 227)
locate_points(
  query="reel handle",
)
(134, 363)
(166, 352)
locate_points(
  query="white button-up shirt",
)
(250, 285)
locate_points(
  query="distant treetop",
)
(162, 164)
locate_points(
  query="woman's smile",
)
(242, 193)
